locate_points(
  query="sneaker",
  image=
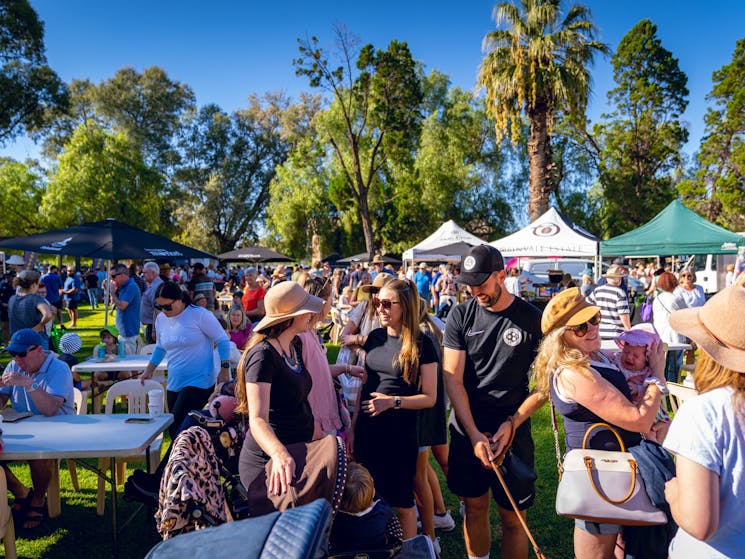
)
(444, 521)
(462, 509)
(437, 548)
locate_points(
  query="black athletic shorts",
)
(72, 305)
(468, 478)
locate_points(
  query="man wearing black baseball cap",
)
(490, 342)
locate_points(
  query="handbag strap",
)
(610, 428)
(557, 446)
(588, 460)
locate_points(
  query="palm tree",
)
(537, 63)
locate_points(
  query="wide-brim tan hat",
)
(287, 300)
(616, 272)
(717, 327)
(379, 281)
(567, 308)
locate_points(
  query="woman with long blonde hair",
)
(401, 366)
(707, 434)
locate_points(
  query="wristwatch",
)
(225, 364)
(34, 386)
(397, 403)
(661, 385)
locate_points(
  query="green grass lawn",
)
(79, 532)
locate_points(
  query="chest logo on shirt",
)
(512, 337)
(469, 262)
(474, 333)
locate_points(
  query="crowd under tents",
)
(675, 230)
(448, 243)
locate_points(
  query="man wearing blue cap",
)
(34, 381)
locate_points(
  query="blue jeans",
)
(93, 296)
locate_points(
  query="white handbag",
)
(604, 486)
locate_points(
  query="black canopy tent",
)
(253, 254)
(366, 257)
(109, 239)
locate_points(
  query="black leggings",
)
(182, 402)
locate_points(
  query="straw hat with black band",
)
(717, 327)
(287, 300)
(377, 284)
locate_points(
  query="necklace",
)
(292, 361)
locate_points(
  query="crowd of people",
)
(416, 340)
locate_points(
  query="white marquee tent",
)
(551, 235)
(449, 242)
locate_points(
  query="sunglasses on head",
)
(385, 303)
(23, 353)
(166, 307)
(581, 329)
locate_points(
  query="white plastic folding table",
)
(84, 436)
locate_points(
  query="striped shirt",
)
(613, 302)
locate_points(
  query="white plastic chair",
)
(7, 529)
(136, 393)
(158, 376)
(678, 395)
(81, 408)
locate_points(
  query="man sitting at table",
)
(37, 382)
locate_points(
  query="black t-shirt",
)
(289, 411)
(500, 348)
(384, 374)
(91, 281)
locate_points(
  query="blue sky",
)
(226, 50)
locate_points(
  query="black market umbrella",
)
(253, 254)
(109, 240)
(365, 257)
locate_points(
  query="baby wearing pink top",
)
(633, 361)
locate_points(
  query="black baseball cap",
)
(480, 262)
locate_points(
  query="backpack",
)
(645, 311)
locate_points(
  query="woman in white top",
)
(707, 434)
(665, 303)
(692, 294)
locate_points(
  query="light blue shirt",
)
(53, 377)
(707, 431)
(189, 339)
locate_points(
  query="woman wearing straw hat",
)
(586, 388)
(707, 434)
(272, 386)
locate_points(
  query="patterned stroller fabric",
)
(191, 495)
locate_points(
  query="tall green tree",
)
(374, 118)
(101, 175)
(21, 191)
(639, 144)
(29, 88)
(228, 164)
(147, 107)
(718, 188)
(537, 65)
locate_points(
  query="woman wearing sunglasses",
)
(187, 334)
(692, 294)
(586, 388)
(401, 365)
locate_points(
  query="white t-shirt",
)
(664, 304)
(707, 431)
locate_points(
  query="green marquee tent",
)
(675, 230)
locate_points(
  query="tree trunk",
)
(540, 159)
(366, 225)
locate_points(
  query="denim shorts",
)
(597, 528)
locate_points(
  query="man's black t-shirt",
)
(500, 348)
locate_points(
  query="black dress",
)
(289, 411)
(387, 444)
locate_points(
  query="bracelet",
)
(225, 364)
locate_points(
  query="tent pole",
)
(106, 296)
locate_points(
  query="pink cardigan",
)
(322, 397)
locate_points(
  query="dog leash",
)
(495, 464)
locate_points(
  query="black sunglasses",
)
(385, 303)
(581, 329)
(23, 353)
(166, 307)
